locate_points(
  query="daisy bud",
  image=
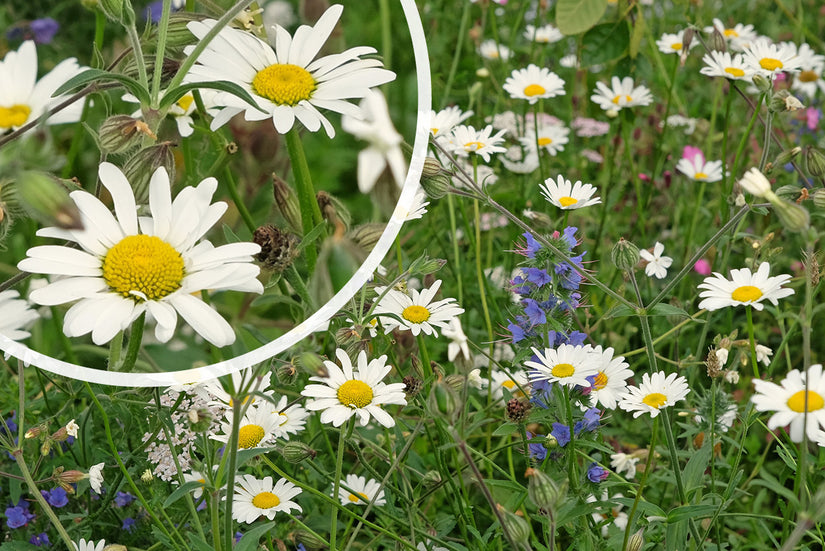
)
(783, 101)
(636, 541)
(121, 133)
(551, 442)
(625, 255)
(47, 201)
(287, 203)
(278, 249)
(311, 363)
(147, 476)
(367, 235)
(286, 373)
(794, 217)
(517, 527)
(543, 491)
(763, 84)
(687, 39)
(819, 198)
(434, 179)
(424, 265)
(115, 547)
(483, 72)
(142, 165)
(755, 183)
(296, 452)
(177, 35)
(815, 161)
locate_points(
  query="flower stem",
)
(339, 461)
(310, 212)
(232, 448)
(480, 275)
(135, 338)
(163, 27)
(232, 187)
(462, 33)
(425, 358)
(651, 452)
(454, 239)
(134, 40)
(749, 312)
(677, 473)
(572, 475)
(44, 505)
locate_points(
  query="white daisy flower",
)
(568, 196)
(182, 109)
(546, 34)
(657, 264)
(96, 477)
(290, 420)
(513, 382)
(768, 59)
(345, 392)
(689, 123)
(610, 382)
(23, 98)
(811, 67)
(722, 64)
(743, 287)
(90, 545)
(130, 265)
(15, 314)
(567, 365)
(738, 36)
(373, 124)
(621, 94)
(241, 381)
(622, 463)
(288, 82)
(490, 49)
(699, 170)
(522, 159)
(357, 490)
(443, 122)
(466, 139)
(551, 138)
(416, 311)
(673, 43)
(533, 84)
(724, 421)
(570, 61)
(195, 476)
(418, 208)
(788, 400)
(429, 547)
(458, 341)
(256, 429)
(657, 391)
(256, 498)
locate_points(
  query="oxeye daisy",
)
(288, 82)
(416, 311)
(566, 195)
(622, 93)
(24, 99)
(344, 392)
(513, 382)
(723, 64)
(490, 49)
(811, 66)
(549, 137)
(443, 122)
(127, 266)
(657, 391)
(610, 382)
(657, 264)
(567, 365)
(90, 545)
(290, 420)
(15, 315)
(743, 287)
(546, 34)
(673, 43)
(768, 59)
(194, 476)
(357, 490)
(699, 170)
(241, 382)
(788, 400)
(466, 139)
(256, 498)
(255, 430)
(533, 84)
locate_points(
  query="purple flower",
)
(534, 312)
(561, 434)
(10, 422)
(128, 524)
(596, 473)
(537, 451)
(44, 30)
(570, 236)
(537, 276)
(531, 247)
(238, 537)
(122, 499)
(516, 331)
(56, 497)
(18, 515)
(40, 540)
(590, 422)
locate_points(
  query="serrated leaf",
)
(577, 16)
(93, 75)
(182, 491)
(171, 96)
(249, 541)
(604, 43)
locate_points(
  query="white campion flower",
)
(657, 264)
(96, 477)
(458, 341)
(71, 428)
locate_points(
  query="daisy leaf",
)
(577, 16)
(93, 75)
(173, 95)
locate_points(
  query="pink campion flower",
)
(812, 116)
(690, 153)
(702, 267)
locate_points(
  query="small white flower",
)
(699, 170)
(566, 195)
(722, 64)
(623, 463)
(737, 36)
(71, 428)
(458, 341)
(722, 355)
(657, 264)
(768, 59)
(789, 401)
(255, 430)
(90, 545)
(744, 287)
(15, 314)
(567, 365)
(533, 84)
(466, 139)
(546, 34)
(656, 392)
(763, 354)
(491, 50)
(416, 311)
(360, 491)
(610, 381)
(549, 137)
(755, 183)
(443, 122)
(256, 498)
(96, 477)
(291, 420)
(621, 94)
(673, 43)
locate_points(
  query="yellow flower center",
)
(797, 401)
(770, 64)
(434, 131)
(563, 370)
(186, 102)
(266, 500)
(415, 314)
(746, 293)
(473, 146)
(545, 141)
(567, 201)
(534, 90)
(730, 33)
(700, 176)
(493, 54)
(16, 115)
(618, 98)
(508, 384)
(284, 84)
(655, 400)
(143, 267)
(676, 46)
(735, 71)
(355, 394)
(600, 382)
(804, 76)
(250, 436)
(359, 497)
(283, 421)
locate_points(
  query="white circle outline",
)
(422, 135)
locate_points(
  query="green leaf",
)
(182, 491)
(171, 96)
(577, 16)
(249, 541)
(230, 236)
(18, 546)
(664, 309)
(313, 234)
(269, 300)
(637, 35)
(199, 544)
(246, 455)
(687, 512)
(92, 75)
(604, 43)
(506, 429)
(696, 466)
(620, 311)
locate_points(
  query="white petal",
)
(124, 199)
(203, 319)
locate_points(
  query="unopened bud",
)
(177, 34)
(625, 255)
(309, 540)
(543, 491)
(431, 478)
(46, 447)
(687, 40)
(713, 364)
(424, 265)
(819, 198)
(636, 541)
(143, 164)
(200, 419)
(815, 161)
(35, 432)
(538, 218)
(333, 210)
(286, 373)
(717, 41)
(147, 476)
(121, 133)
(434, 179)
(517, 527)
(787, 156)
(367, 235)
(412, 386)
(551, 442)
(47, 201)
(119, 11)
(517, 410)
(287, 203)
(762, 84)
(66, 478)
(783, 101)
(309, 362)
(278, 249)
(115, 547)
(793, 217)
(296, 452)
